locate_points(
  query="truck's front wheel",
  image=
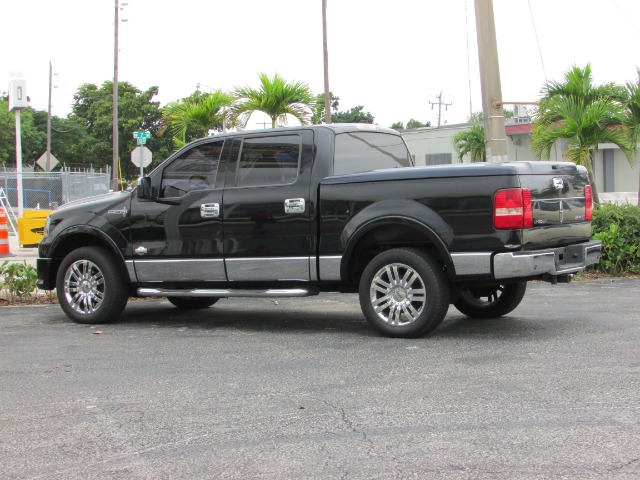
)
(404, 293)
(492, 301)
(90, 287)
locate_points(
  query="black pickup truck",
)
(297, 211)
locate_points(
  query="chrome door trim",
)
(268, 269)
(180, 270)
(329, 267)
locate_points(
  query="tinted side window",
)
(268, 161)
(365, 151)
(195, 169)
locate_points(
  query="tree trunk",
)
(592, 179)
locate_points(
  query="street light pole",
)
(48, 157)
(114, 165)
(327, 99)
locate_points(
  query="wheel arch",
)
(83, 236)
(387, 232)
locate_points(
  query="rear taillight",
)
(512, 209)
(588, 203)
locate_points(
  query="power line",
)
(535, 31)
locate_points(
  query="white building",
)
(616, 179)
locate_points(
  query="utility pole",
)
(114, 165)
(492, 110)
(48, 157)
(327, 95)
(440, 103)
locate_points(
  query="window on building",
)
(437, 159)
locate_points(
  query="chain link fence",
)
(48, 190)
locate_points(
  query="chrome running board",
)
(224, 293)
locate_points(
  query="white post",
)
(141, 147)
(19, 164)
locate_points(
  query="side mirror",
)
(144, 188)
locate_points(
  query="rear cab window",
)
(357, 152)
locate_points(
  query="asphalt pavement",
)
(304, 388)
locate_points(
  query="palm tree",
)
(196, 115)
(276, 97)
(583, 113)
(471, 142)
(632, 116)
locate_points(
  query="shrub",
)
(618, 228)
(18, 279)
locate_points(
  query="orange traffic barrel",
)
(4, 235)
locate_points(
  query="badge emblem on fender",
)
(558, 183)
(122, 212)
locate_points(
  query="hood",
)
(95, 204)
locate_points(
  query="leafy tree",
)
(70, 143)
(412, 123)
(33, 140)
(355, 115)
(585, 114)
(93, 108)
(194, 116)
(471, 142)
(399, 126)
(318, 109)
(276, 97)
(476, 117)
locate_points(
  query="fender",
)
(88, 230)
(387, 212)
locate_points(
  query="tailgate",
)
(558, 201)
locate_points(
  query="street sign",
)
(145, 155)
(141, 134)
(42, 161)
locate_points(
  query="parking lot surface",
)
(304, 388)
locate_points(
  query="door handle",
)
(294, 205)
(210, 210)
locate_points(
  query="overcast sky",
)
(392, 57)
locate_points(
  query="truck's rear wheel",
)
(404, 293)
(192, 303)
(490, 302)
(90, 287)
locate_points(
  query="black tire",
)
(490, 302)
(90, 288)
(410, 290)
(192, 303)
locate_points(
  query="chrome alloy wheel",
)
(84, 287)
(398, 294)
